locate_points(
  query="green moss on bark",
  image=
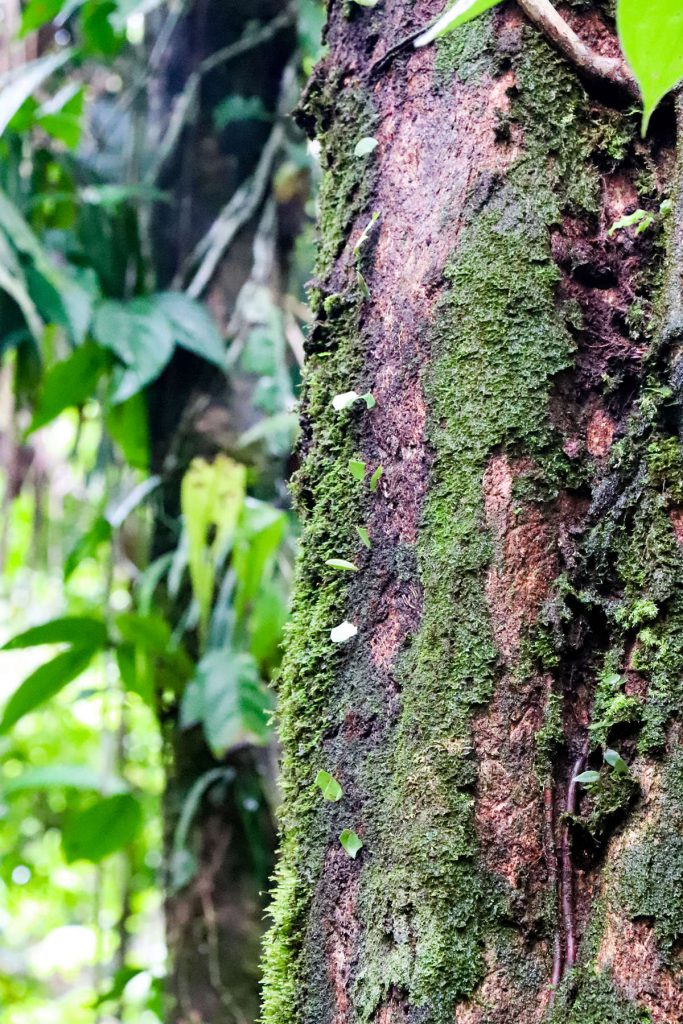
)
(651, 871)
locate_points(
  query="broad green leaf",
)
(369, 400)
(364, 146)
(356, 469)
(192, 326)
(651, 36)
(37, 13)
(128, 425)
(118, 986)
(260, 533)
(62, 115)
(67, 776)
(351, 842)
(70, 383)
(457, 14)
(229, 699)
(140, 335)
(587, 778)
(44, 683)
(614, 759)
(148, 631)
(375, 478)
(79, 630)
(328, 786)
(18, 84)
(341, 563)
(364, 536)
(13, 282)
(343, 632)
(87, 545)
(103, 828)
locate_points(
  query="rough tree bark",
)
(520, 610)
(215, 919)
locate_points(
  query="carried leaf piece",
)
(642, 218)
(651, 36)
(365, 234)
(351, 842)
(461, 12)
(365, 146)
(343, 632)
(341, 563)
(329, 787)
(614, 759)
(375, 478)
(345, 400)
(587, 778)
(363, 285)
(357, 469)
(364, 536)
(366, 3)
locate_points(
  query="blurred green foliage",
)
(84, 334)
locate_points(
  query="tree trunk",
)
(214, 910)
(520, 610)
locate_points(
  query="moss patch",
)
(651, 880)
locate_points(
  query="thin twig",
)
(586, 61)
(551, 863)
(239, 210)
(568, 914)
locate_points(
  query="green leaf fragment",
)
(587, 778)
(364, 536)
(365, 234)
(642, 218)
(341, 563)
(614, 759)
(351, 842)
(363, 285)
(328, 786)
(375, 478)
(365, 146)
(343, 632)
(369, 400)
(461, 12)
(357, 469)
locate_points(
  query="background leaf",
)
(44, 683)
(651, 36)
(101, 829)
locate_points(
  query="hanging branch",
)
(588, 62)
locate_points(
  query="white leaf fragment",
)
(340, 634)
